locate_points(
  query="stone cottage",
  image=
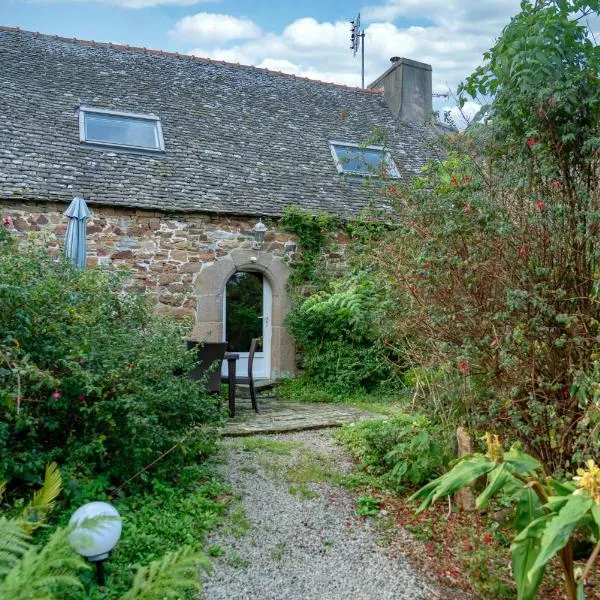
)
(178, 158)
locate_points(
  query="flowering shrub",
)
(496, 269)
(87, 374)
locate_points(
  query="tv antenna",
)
(356, 36)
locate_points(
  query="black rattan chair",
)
(249, 380)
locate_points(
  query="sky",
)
(310, 38)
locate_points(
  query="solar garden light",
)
(96, 530)
(258, 231)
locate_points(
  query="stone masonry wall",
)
(164, 252)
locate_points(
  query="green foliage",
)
(313, 232)
(547, 515)
(343, 346)
(88, 377)
(45, 572)
(367, 506)
(174, 574)
(171, 520)
(496, 270)
(405, 450)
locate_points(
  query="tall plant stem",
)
(566, 561)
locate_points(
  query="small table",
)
(231, 358)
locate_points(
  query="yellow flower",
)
(494, 447)
(589, 479)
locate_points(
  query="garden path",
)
(293, 534)
(278, 416)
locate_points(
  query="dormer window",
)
(354, 159)
(122, 130)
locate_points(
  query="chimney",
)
(406, 89)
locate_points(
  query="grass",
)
(303, 491)
(238, 524)
(383, 402)
(264, 444)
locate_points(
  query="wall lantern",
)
(258, 231)
(96, 530)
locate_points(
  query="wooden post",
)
(464, 498)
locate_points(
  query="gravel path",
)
(291, 538)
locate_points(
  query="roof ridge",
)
(178, 55)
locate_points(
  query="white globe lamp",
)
(96, 529)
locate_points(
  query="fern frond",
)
(170, 577)
(46, 495)
(43, 500)
(44, 572)
(14, 542)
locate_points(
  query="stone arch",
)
(209, 289)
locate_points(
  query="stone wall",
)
(164, 252)
(182, 261)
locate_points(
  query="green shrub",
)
(405, 450)
(88, 377)
(339, 333)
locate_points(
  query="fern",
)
(40, 573)
(43, 500)
(14, 542)
(170, 577)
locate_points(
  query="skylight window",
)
(130, 131)
(373, 161)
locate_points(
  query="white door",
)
(247, 314)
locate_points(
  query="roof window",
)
(354, 159)
(130, 131)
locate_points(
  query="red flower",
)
(454, 181)
(555, 183)
(488, 538)
(7, 221)
(541, 205)
(393, 189)
(81, 397)
(56, 394)
(552, 101)
(522, 251)
(468, 209)
(531, 141)
(463, 367)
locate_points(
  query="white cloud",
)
(452, 41)
(136, 3)
(214, 28)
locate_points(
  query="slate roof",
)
(239, 140)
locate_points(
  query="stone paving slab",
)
(278, 416)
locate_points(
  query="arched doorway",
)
(247, 314)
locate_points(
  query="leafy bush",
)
(343, 346)
(404, 450)
(88, 377)
(496, 266)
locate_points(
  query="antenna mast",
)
(357, 35)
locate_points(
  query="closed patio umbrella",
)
(75, 247)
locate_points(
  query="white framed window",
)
(124, 130)
(367, 161)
